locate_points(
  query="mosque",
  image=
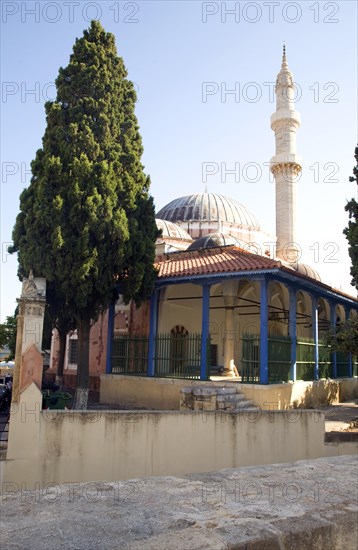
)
(225, 300)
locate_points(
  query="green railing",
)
(176, 356)
(279, 358)
(343, 364)
(250, 363)
(129, 354)
(305, 360)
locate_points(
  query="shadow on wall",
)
(317, 394)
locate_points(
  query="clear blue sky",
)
(170, 49)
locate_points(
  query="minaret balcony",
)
(285, 158)
(284, 118)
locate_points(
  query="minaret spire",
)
(285, 165)
(284, 60)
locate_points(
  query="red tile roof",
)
(212, 261)
(229, 259)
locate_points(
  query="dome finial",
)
(206, 188)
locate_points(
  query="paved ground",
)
(305, 505)
(341, 417)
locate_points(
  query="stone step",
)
(211, 390)
(203, 391)
(230, 398)
(247, 405)
(228, 391)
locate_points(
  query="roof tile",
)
(214, 260)
(229, 259)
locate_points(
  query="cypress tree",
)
(87, 221)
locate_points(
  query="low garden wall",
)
(164, 393)
(65, 446)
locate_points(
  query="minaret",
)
(285, 165)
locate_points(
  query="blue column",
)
(153, 329)
(263, 332)
(292, 332)
(205, 319)
(333, 318)
(110, 338)
(350, 365)
(315, 336)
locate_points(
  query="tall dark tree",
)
(345, 336)
(8, 332)
(351, 232)
(87, 221)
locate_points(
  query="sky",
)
(204, 74)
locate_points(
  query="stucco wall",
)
(164, 394)
(348, 389)
(66, 446)
(148, 393)
(301, 394)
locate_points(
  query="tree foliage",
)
(345, 337)
(8, 332)
(87, 221)
(351, 232)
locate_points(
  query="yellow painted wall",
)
(164, 394)
(47, 447)
(148, 393)
(301, 394)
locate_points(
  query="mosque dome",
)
(209, 207)
(171, 230)
(307, 271)
(212, 240)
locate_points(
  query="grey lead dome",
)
(208, 207)
(213, 240)
(172, 231)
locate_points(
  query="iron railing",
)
(305, 360)
(279, 360)
(129, 355)
(179, 356)
(250, 364)
(343, 364)
(176, 356)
